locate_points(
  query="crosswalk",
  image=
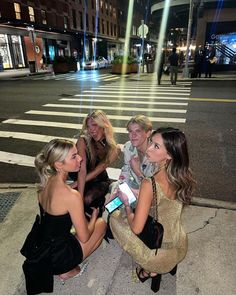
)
(94, 76)
(62, 119)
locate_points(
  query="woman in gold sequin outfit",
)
(174, 184)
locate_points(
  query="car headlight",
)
(94, 64)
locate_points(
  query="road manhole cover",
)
(7, 200)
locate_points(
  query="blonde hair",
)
(142, 121)
(55, 150)
(102, 120)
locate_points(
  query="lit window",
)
(101, 5)
(44, 17)
(17, 10)
(110, 10)
(107, 10)
(114, 12)
(31, 13)
(65, 22)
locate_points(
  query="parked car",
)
(98, 63)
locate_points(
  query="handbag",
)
(153, 231)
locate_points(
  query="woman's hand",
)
(124, 198)
(114, 194)
(95, 213)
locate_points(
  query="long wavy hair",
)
(178, 171)
(102, 120)
(55, 150)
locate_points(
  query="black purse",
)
(153, 231)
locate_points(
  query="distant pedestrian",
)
(1, 63)
(198, 59)
(173, 59)
(44, 62)
(210, 60)
(160, 69)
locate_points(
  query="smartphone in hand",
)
(116, 202)
(113, 204)
(127, 190)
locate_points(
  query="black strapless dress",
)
(50, 249)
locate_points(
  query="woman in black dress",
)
(50, 248)
(98, 149)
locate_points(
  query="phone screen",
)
(126, 189)
(113, 204)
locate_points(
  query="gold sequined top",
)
(174, 245)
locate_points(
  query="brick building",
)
(83, 28)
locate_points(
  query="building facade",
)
(31, 29)
(42, 29)
(213, 22)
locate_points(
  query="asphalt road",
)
(209, 126)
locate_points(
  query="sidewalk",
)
(216, 76)
(16, 73)
(209, 267)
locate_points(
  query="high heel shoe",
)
(156, 281)
(142, 271)
(173, 271)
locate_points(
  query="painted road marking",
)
(213, 99)
(141, 87)
(23, 160)
(132, 92)
(126, 101)
(54, 124)
(116, 108)
(132, 96)
(150, 103)
(111, 117)
(37, 137)
(31, 136)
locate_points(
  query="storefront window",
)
(17, 51)
(225, 51)
(17, 10)
(5, 52)
(51, 51)
(31, 14)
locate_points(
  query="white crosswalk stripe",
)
(121, 108)
(28, 161)
(111, 117)
(81, 76)
(123, 99)
(133, 96)
(126, 101)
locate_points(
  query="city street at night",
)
(117, 147)
(37, 109)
